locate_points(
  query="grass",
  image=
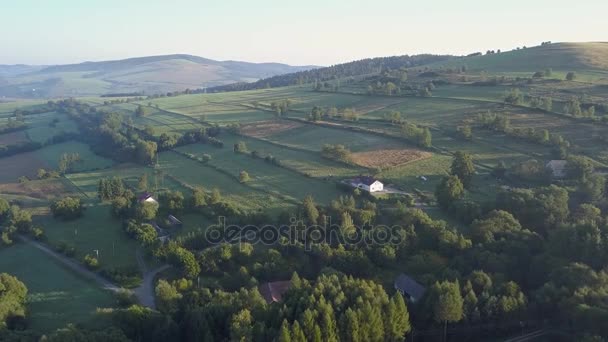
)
(197, 175)
(89, 161)
(57, 296)
(265, 176)
(88, 181)
(304, 161)
(96, 230)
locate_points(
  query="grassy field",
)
(304, 161)
(195, 174)
(88, 182)
(265, 176)
(96, 230)
(57, 296)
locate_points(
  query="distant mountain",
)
(350, 69)
(148, 75)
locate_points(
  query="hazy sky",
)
(321, 32)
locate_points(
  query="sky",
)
(297, 32)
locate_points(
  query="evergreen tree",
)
(284, 335)
(297, 335)
(463, 167)
(310, 210)
(397, 319)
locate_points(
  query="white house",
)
(369, 184)
(147, 197)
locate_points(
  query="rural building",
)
(147, 197)
(368, 184)
(409, 288)
(557, 168)
(174, 221)
(273, 292)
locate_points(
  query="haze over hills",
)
(590, 58)
(152, 74)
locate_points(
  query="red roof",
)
(273, 292)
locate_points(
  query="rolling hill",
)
(592, 56)
(153, 74)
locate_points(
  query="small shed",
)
(409, 288)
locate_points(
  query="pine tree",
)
(398, 319)
(310, 210)
(284, 335)
(328, 322)
(347, 227)
(350, 326)
(297, 335)
(371, 323)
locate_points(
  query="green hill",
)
(558, 56)
(153, 74)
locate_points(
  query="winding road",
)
(144, 293)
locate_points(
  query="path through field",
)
(75, 266)
(144, 293)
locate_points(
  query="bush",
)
(91, 262)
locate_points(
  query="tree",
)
(68, 208)
(447, 303)
(240, 147)
(397, 319)
(199, 198)
(141, 111)
(466, 132)
(167, 297)
(449, 190)
(241, 326)
(13, 295)
(215, 197)
(571, 76)
(347, 227)
(4, 209)
(142, 183)
(297, 335)
(463, 167)
(579, 168)
(244, 177)
(284, 335)
(145, 211)
(145, 151)
(316, 114)
(310, 210)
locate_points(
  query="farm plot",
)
(434, 111)
(43, 127)
(97, 230)
(23, 164)
(165, 122)
(494, 93)
(306, 162)
(313, 137)
(13, 138)
(57, 296)
(388, 158)
(265, 176)
(88, 160)
(46, 189)
(88, 182)
(195, 174)
(409, 176)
